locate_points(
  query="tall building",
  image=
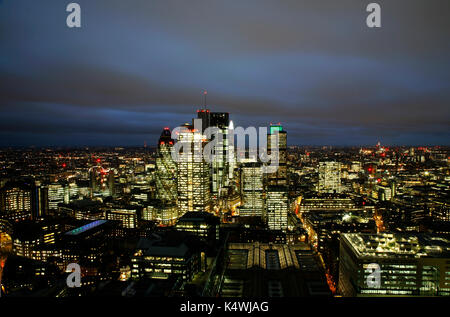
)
(389, 264)
(277, 191)
(166, 169)
(219, 164)
(164, 208)
(22, 199)
(252, 189)
(193, 172)
(329, 177)
(277, 203)
(277, 140)
(58, 193)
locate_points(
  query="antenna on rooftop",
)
(204, 93)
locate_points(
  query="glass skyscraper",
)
(194, 191)
(277, 198)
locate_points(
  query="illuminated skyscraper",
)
(19, 200)
(219, 163)
(163, 209)
(58, 193)
(277, 192)
(193, 172)
(252, 189)
(166, 169)
(101, 181)
(329, 177)
(277, 202)
(278, 135)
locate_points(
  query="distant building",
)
(85, 209)
(201, 224)
(164, 213)
(329, 177)
(327, 203)
(20, 200)
(128, 217)
(58, 193)
(277, 142)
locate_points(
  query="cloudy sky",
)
(136, 66)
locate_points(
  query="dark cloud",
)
(136, 66)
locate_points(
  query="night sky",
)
(136, 66)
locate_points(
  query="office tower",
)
(18, 200)
(329, 177)
(252, 189)
(231, 156)
(165, 177)
(278, 135)
(163, 209)
(277, 191)
(193, 172)
(101, 181)
(126, 216)
(58, 193)
(356, 166)
(219, 163)
(94, 180)
(277, 202)
(112, 183)
(42, 203)
(390, 264)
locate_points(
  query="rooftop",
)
(397, 245)
(85, 228)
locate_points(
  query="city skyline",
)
(318, 223)
(224, 156)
